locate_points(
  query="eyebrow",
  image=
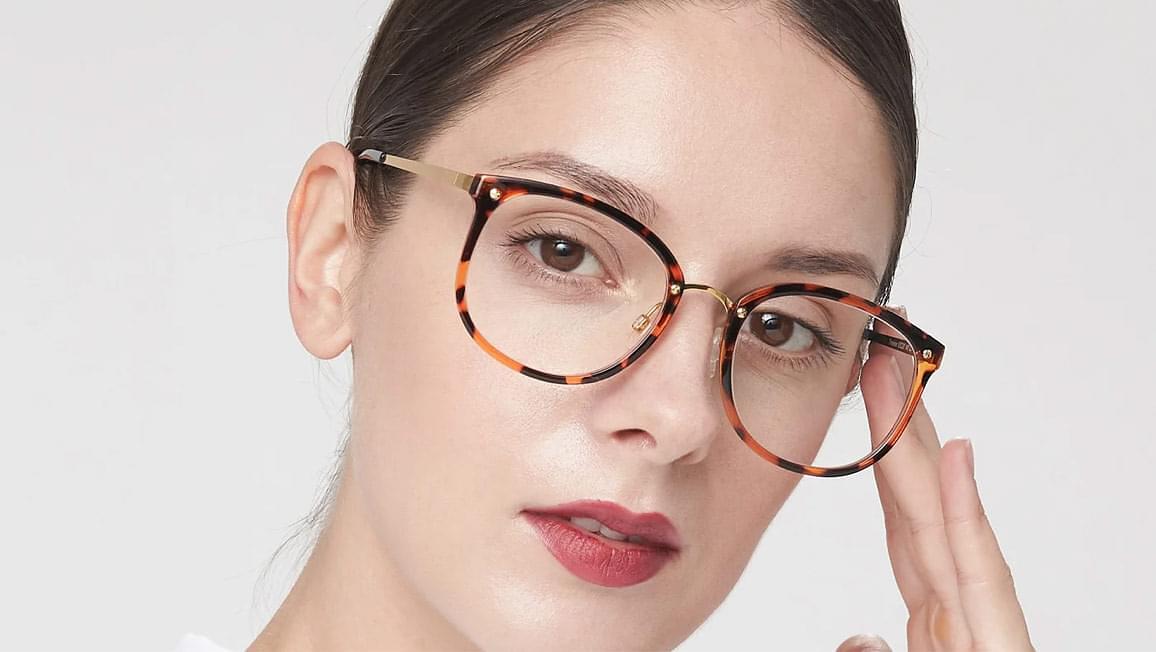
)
(588, 178)
(807, 259)
(639, 204)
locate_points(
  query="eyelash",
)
(513, 244)
(828, 347)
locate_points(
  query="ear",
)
(322, 255)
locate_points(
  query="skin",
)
(448, 446)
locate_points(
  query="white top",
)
(197, 643)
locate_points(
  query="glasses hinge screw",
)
(741, 312)
(495, 194)
(926, 354)
(675, 288)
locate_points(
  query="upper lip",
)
(652, 527)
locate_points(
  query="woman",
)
(575, 170)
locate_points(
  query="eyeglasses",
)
(565, 288)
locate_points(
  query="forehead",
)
(745, 135)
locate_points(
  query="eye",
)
(783, 332)
(565, 255)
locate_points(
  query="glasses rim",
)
(490, 190)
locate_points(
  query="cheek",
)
(424, 408)
(448, 444)
(741, 498)
(439, 426)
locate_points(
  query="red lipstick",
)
(598, 558)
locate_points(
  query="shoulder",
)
(196, 643)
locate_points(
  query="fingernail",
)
(865, 643)
(968, 454)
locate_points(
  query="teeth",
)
(593, 525)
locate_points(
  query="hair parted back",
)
(432, 60)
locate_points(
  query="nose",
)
(716, 339)
(644, 320)
(666, 406)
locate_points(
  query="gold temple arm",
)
(459, 179)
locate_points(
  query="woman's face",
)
(749, 141)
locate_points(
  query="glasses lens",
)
(562, 288)
(795, 378)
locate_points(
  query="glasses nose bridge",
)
(726, 301)
(727, 304)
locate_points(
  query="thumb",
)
(864, 643)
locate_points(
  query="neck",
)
(351, 596)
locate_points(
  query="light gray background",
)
(162, 428)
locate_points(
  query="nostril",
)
(637, 437)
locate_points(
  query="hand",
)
(954, 580)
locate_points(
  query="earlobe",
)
(321, 250)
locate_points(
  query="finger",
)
(920, 421)
(887, 351)
(911, 474)
(903, 564)
(883, 398)
(986, 589)
(924, 429)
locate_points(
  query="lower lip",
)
(596, 559)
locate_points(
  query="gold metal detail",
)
(459, 179)
(722, 298)
(644, 320)
(674, 288)
(741, 312)
(495, 194)
(926, 354)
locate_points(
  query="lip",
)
(597, 559)
(654, 528)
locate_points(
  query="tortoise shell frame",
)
(489, 190)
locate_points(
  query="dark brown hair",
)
(432, 60)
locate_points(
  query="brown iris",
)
(776, 330)
(562, 255)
